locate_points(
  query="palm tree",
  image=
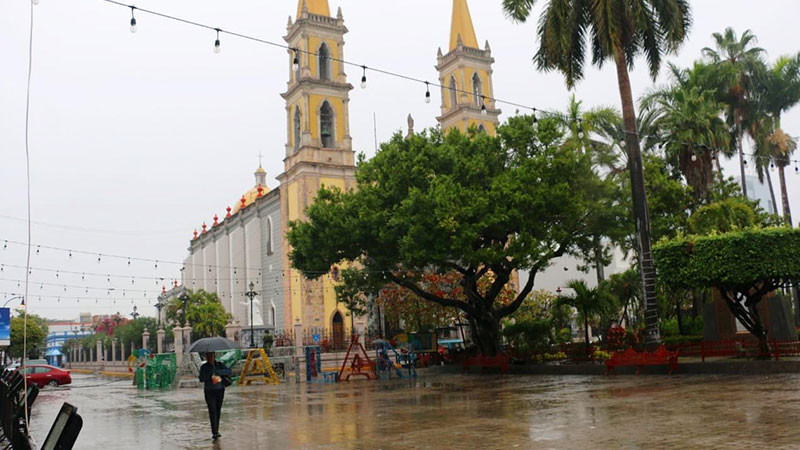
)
(591, 303)
(691, 124)
(780, 92)
(617, 31)
(737, 62)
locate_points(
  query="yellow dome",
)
(249, 197)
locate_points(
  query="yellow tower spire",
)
(461, 26)
(318, 7)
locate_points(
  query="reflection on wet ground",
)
(447, 411)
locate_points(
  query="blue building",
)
(55, 340)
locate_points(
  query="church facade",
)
(249, 244)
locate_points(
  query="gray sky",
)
(136, 139)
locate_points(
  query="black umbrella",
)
(212, 344)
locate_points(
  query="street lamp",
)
(159, 306)
(135, 314)
(15, 297)
(184, 299)
(251, 294)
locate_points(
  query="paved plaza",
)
(446, 412)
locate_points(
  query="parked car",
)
(44, 375)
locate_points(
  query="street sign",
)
(5, 327)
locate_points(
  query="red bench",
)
(630, 357)
(499, 361)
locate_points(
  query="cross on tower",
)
(259, 159)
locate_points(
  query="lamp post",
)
(13, 298)
(251, 294)
(159, 306)
(184, 299)
(135, 314)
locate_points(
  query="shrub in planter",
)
(266, 341)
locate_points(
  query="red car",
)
(43, 375)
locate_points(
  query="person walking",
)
(211, 374)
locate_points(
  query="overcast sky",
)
(136, 139)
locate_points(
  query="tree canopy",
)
(478, 205)
(743, 265)
(204, 313)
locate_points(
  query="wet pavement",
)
(443, 411)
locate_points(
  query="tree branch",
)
(512, 307)
(447, 302)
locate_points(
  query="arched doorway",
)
(338, 330)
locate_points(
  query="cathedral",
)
(249, 245)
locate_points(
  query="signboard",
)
(5, 327)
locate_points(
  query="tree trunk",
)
(678, 315)
(598, 262)
(719, 167)
(739, 137)
(771, 192)
(787, 216)
(485, 333)
(586, 333)
(787, 212)
(640, 212)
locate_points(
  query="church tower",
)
(318, 146)
(466, 74)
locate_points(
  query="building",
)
(249, 244)
(759, 191)
(60, 331)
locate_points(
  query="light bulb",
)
(483, 110)
(133, 25)
(35, 2)
(364, 82)
(427, 97)
(694, 157)
(296, 63)
(217, 47)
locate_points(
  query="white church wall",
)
(209, 267)
(252, 230)
(237, 277)
(271, 257)
(223, 272)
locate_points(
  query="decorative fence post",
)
(178, 334)
(160, 340)
(145, 339)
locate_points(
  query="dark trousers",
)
(214, 402)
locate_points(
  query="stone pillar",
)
(178, 334)
(145, 339)
(233, 331)
(187, 337)
(99, 351)
(298, 349)
(133, 347)
(160, 340)
(114, 350)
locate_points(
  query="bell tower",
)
(318, 144)
(466, 74)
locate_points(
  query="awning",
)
(53, 352)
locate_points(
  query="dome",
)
(249, 197)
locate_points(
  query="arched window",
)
(297, 127)
(271, 315)
(453, 92)
(477, 89)
(481, 128)
(326, 125)
(324, 62)
(269, 236)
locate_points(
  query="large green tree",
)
(203, 312)
(36, 332)
(613, 30)
(744, 266)
(482, 206)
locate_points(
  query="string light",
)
(483, 105)
(296, 61)
(364, 77)
(427, 92)
(217, 47)
(133, 20)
